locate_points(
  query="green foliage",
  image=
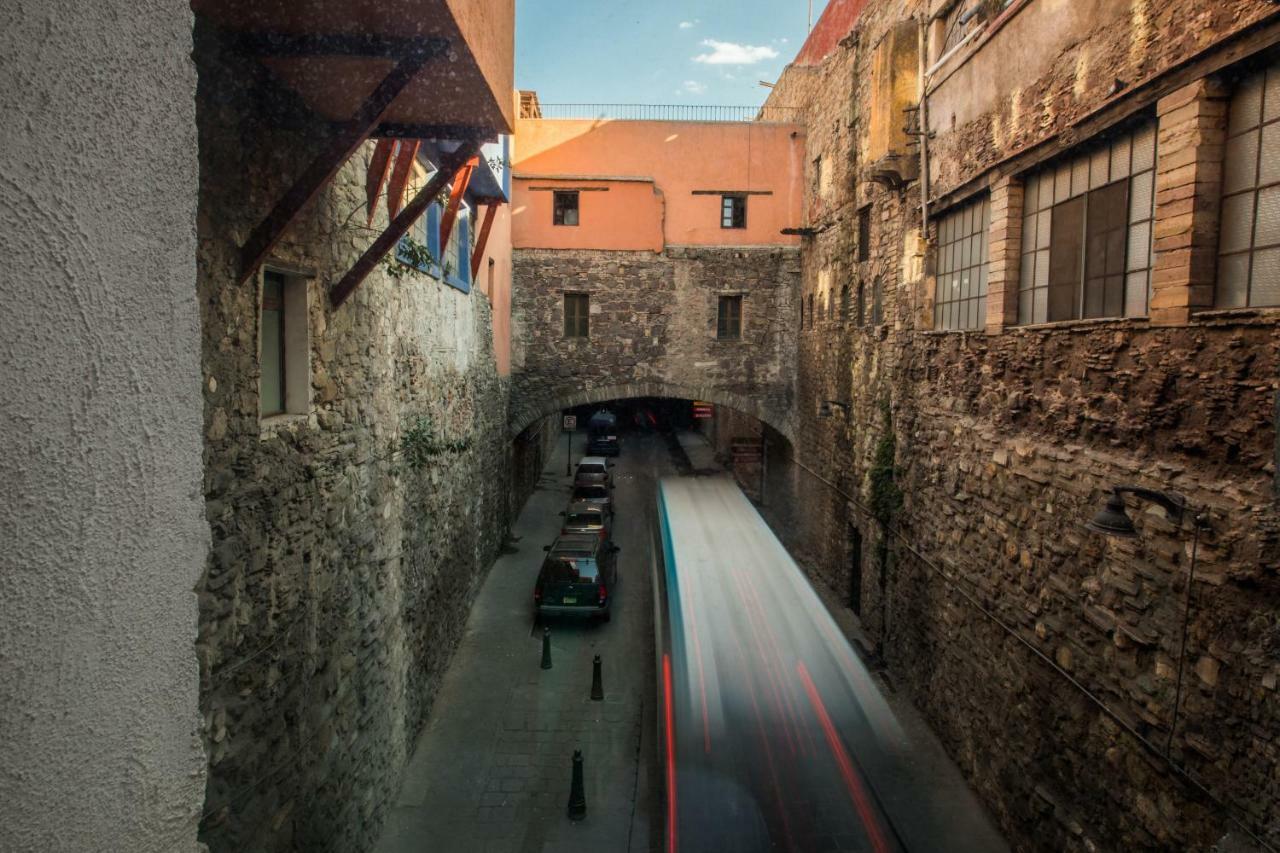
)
(417, 256)
(420, 442)
(886, 497)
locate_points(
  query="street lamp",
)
(1112, 520)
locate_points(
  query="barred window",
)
(961, 300)
(1249, 242)
(577, 315)
(1086, 233)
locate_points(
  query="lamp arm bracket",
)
(1174, 504)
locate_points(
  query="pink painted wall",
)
(671, 161)
(495, 282)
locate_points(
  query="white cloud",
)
(693, 87)
(728, 53)
(687, 25)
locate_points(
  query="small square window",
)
(729, 318)
(577, 315)
(565, 207)
(733, 211)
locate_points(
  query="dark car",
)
(595, 494)
(578, 578)
(604, 445)
(591, 519)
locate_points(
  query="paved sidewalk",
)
(491, 771)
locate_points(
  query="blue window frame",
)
(453, 263)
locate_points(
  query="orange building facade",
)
(646, 185)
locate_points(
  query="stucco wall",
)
(100, 502)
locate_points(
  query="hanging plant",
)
(420, 443)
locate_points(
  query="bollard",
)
(597, 687)
(577, 795)
(546, 648)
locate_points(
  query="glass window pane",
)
(1044, 229)
(975, 248)
(1026, 274)
(982, 280)
(1246, 105)
(1240, 164)
(1270, 159)
(1264, 285)
(966, 284)
(1139, 246)
(1029, 233)
(1267, 229)
(1042, 268)
(1135, 294)
(1062, 183)
(964, 253)
(1040, 306)
(1140, 196)
(1120, 159)
(1237, 222)
(1024, 307)
(1100, 168)
(1080, 176)
(1113, 301)
(1144, 147)
(1271, 96)
(1233, 281)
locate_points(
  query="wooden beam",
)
(490, 213)
(379, 165)
(373, 45)
(449, 166)
(391, 130)
(455, 201)
(346, 139)
(400, 173)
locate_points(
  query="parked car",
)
(592, 470)
(604, 445)
(578, 578)
(595, 494)
(588, 518)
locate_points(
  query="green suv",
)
(578, 577)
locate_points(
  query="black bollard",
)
(597, 688)
(577, 795)
(546, 648)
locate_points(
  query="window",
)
(271, 389)
(577, 309)
(864, 233)
(844, 302)
(810, 310)
(1086, 233)
(564, 207)
(961, 296)
(877, 311)
(283, 349)
(729, 318)
(733, 211)
(425, 231)
(456, 260)
(1249, 243)
(860, 309)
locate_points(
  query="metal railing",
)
(665, 112)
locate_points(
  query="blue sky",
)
(656, 51)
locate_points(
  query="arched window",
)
(877, 308)
(860, 310)
(844, 302)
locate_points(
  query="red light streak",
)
(859, 794)
(671, 755)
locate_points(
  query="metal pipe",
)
(922, 116)
(1198, 522)
(950, 53)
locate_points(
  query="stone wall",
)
(1045, 656)
(101, 514)
(653, 329)
(348, 540)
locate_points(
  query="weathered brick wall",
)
(341, 574)
(1006, 445)
(653, 328)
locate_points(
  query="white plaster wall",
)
(102, 531)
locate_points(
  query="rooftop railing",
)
(661, 112)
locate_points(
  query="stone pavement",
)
(491, 771)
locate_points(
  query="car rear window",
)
(591, 468)
(570, 570)
(583, 519)
(590, 492)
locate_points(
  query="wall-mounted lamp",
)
(827, 408)
(1112, 520)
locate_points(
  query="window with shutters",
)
(1086, 233)
(729, 318)
(577, 312)
(961, 296)
(1249, 239)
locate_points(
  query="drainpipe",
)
(923, 114)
